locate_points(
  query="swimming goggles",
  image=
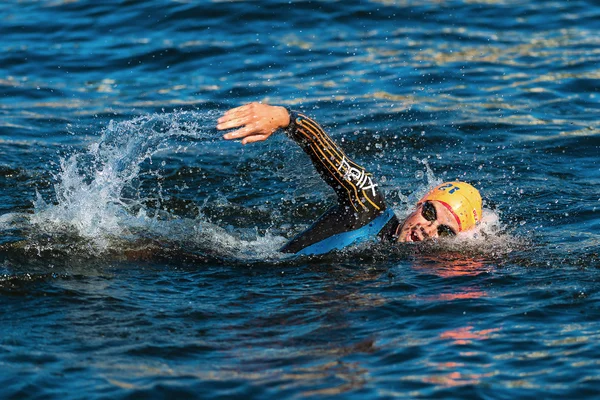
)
(430, 214)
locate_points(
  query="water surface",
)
(138, 250)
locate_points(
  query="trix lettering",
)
(358, 176)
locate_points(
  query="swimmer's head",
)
(444, 211)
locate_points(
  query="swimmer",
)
(360, 213)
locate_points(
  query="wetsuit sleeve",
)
(356, 190)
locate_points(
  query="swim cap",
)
(462, 199)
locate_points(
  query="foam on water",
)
(90, 186)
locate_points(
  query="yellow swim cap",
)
(462, 199)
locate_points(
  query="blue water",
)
(138, 250)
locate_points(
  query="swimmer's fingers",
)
(255, 119)
(240, 116)
(228, 123)
(255, 138)
(255, 112)
(238, 111)
(247, 130)
(250, 133)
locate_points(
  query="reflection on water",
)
(465, 335)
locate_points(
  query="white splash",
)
(97, 202)
(90, 186)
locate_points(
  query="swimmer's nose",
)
(430, 230)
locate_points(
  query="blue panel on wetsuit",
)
(345, 239)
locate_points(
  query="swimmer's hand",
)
(256, 122)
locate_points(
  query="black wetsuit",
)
(360, 214)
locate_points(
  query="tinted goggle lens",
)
(445, 231)
(428, 212)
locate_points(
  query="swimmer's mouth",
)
(413, 236)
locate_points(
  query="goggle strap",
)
(452, 212)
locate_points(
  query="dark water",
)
(138, 251)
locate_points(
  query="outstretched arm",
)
(353, 185)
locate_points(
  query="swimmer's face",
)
(430, 220)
